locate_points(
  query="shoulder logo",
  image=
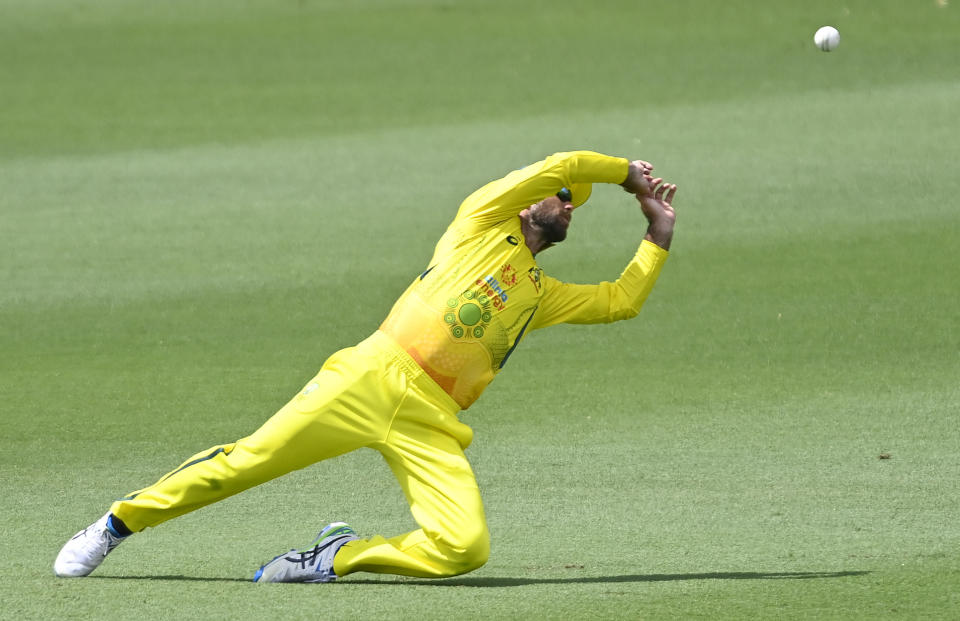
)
(534, 275)
(513, 241)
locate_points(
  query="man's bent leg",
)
(445, 501)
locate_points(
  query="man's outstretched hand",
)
(656, 201)
(657, 206)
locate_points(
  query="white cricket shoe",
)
(315, 564)
(86, 550)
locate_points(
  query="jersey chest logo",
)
(470, 313)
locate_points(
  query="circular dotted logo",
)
(469, 314)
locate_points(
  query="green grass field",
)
(200, 201)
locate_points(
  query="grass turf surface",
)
(198, 205)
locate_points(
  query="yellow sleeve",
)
(505, 198)
(605, 302)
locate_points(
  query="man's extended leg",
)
(328, 418)
(343, 408)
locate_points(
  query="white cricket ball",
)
(827, 38)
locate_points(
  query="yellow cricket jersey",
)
(482, 291)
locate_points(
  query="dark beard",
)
(554, 230)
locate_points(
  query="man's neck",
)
(532, 235)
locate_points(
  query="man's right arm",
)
(622, 299)
(604, 302)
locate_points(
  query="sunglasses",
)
(565, 195)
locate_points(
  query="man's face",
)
(552, 215)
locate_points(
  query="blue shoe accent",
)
(114, 530)
(259, 574)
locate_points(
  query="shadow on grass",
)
(514, 582)
(172, 578)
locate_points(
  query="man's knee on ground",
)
(469, 551)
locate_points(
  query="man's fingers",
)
(660, 192)
(652, 184)
(668, 199)
(665, 192)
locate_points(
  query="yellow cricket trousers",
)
(372, 395)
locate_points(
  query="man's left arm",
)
(506, 197)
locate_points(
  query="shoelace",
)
(93, 541)
(310, 557)
(112, 542)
